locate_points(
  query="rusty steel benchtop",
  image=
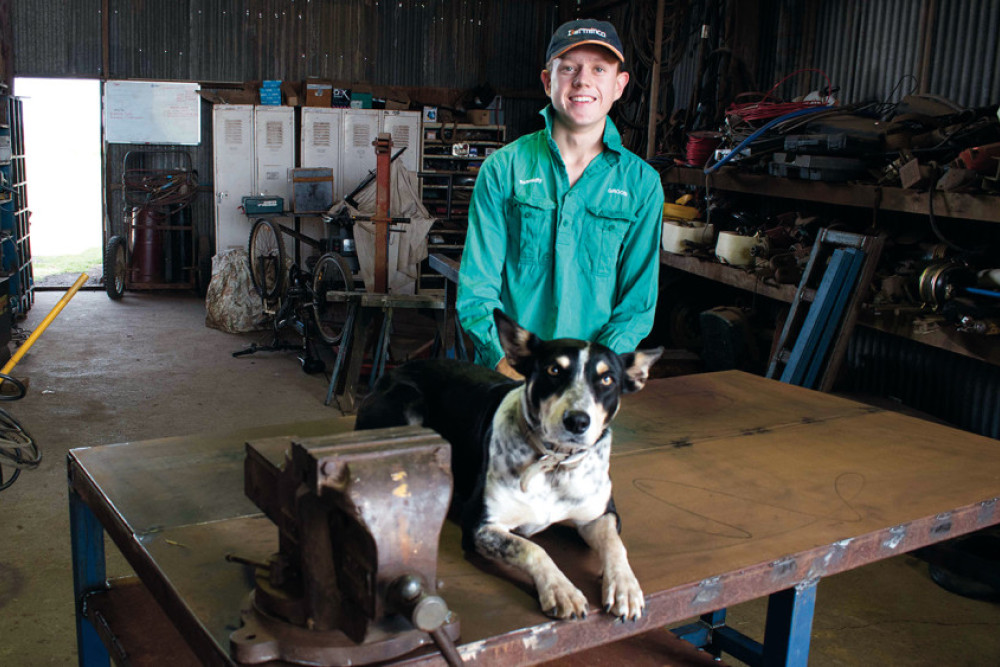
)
(730, 487)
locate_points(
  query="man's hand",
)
(504, 367)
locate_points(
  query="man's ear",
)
(518, 344)
(621, 80)
(547, 81)
(637, 365)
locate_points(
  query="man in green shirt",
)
(564, 224)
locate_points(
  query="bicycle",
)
(297, 297)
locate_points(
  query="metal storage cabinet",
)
(274, 147)
(361, 126)
(233, 167)
(15, 237)
(320, 146)
(253, 149)
(404, 126)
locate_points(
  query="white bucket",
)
(676, 233)
(735, 250)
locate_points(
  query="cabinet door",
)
(233, 171)
(404, 126)
(320, 144)
(361, 127)
(274, 129)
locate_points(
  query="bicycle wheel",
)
(267, 259)
(115, 267)
(332, 273)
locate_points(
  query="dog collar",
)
(549, 462)
(549, 457)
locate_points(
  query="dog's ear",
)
(518, 343)
(637, 365)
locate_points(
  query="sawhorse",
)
(364, 311)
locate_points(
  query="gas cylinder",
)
(147, 245)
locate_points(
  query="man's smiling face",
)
(583, 83)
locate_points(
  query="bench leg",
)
(789, 626)
(87, 537)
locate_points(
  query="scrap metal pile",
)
(924, 145)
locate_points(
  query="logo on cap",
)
(587, 31)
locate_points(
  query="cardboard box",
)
(479, 116)
(361, 100)
(318, 93)
(341, 98)
(270, 93)
(312, 189)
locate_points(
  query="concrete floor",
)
(147, 367)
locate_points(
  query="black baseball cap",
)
(584, 31)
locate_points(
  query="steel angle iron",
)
(354, 581)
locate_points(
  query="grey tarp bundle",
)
(408, 247)
(232, 303)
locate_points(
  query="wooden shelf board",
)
(946, 204)
(728, 275)
(938, 334)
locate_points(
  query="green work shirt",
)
(564, 262)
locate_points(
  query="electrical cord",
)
(933, 219)
(18, 450)
(762, 130)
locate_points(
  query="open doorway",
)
(62, 141)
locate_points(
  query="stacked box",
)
(270, 93)
(318, 93)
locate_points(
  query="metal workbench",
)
(730, 486)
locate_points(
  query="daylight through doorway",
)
(62, 142)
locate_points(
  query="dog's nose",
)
(576, 422)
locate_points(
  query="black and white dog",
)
(528, 455)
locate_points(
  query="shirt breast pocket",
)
(608, 228)
(533, 228)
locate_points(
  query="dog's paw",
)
(622, 595)
(559, 598)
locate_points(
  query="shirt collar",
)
(612, 139)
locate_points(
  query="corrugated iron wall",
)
(960, 390)
(448, 43)
(875, 50)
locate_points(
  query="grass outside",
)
(79, 263)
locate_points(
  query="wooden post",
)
(654, 84)
(383, 149)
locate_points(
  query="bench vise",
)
(354, 581)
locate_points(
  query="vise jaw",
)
(359, 516)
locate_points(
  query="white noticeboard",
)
(144, 112)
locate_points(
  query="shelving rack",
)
(898, 321)
(15, 233)
(448, 179)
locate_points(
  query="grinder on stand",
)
(354, 581)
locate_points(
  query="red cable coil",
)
(764, 110)
(700, 147)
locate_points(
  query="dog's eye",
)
(607, 380)
(554, 369)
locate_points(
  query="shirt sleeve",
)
(481, 272)
(638, 274)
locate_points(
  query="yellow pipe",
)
(45, 323)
